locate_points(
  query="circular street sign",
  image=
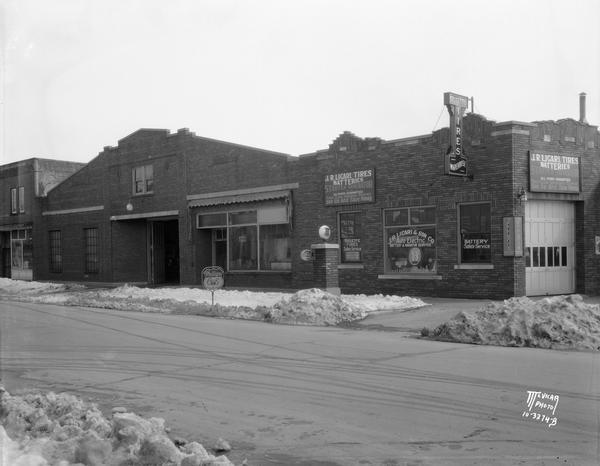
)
(213, 277)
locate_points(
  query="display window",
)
(410, 240)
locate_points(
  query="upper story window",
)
(21, 199)
(17, 200)
(13, 200)
(143, 179)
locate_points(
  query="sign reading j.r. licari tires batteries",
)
(553, 173)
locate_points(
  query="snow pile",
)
(561, 322)
(61, 429)
(308, 307)
(13, 287)
(314, 307)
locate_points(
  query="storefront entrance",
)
(164, 251)
(549, 248)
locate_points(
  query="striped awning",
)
(239, 198)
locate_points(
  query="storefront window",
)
(21, 250)
(410, 240)
(242, 248)
(350, 237)
(475, 234)
(275, 247)
(257, 239)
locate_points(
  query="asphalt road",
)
(310, 396)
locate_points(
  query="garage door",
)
(549, 247)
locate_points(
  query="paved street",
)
(310, 396)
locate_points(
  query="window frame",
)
(21, 199)
(357, 235)
(431, 270)
(55, 251)
(228, 226)
(13, 201)
(459, 233)
(90, 251)
(143, 180)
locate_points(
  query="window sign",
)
(475, 234)
(350, 237)
(354, 187)
(410, 247)
(553, 173)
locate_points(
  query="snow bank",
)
(10, 287)
(562, 322)
(306, 307)
(60, 429)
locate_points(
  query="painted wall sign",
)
(354, 187)
(456, 160)
(553, 173)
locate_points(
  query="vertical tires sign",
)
(455, 162)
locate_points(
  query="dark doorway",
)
(165, 252)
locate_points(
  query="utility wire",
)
(438, 119)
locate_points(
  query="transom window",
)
(143, 179)
(410, 240)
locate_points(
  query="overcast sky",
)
(288, 76)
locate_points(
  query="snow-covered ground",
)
(306, 307)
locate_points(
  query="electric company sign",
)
(455, 162)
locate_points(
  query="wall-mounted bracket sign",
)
(553, 173)
(352, 187)
(455, 161)
(513, 236)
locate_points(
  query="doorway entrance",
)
(164, 252)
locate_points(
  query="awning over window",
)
(239, 198)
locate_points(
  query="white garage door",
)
(549, 247)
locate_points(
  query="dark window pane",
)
(396, 217)
(542, 257)
(212, 220)
(536, 257)
(422, 215)
(550, 257)
(556, 256)
(527, 257)
(564, 256)
(241, 218)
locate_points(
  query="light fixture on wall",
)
(522, 195)
(129, 207)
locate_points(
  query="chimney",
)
(582, 108)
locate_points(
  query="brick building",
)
(479, 209)
(131, 215)
(23, 184)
